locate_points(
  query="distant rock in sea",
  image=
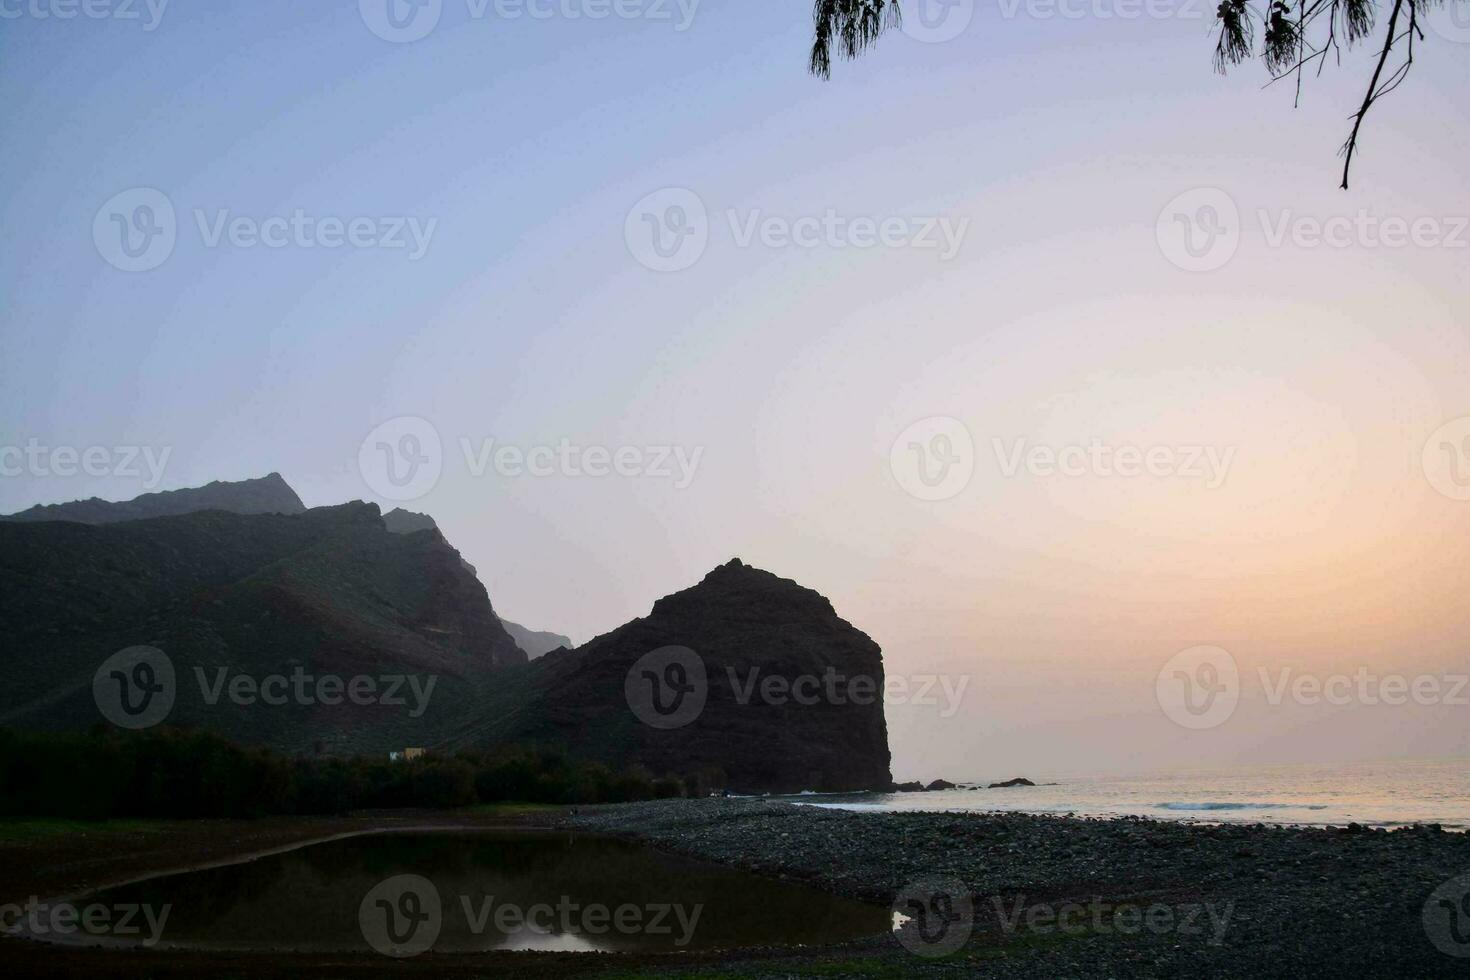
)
(913, 787)
(267, 495)
(1018, 781)
(939, 784)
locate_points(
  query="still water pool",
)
(406, 893)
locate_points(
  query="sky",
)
(1043, 351)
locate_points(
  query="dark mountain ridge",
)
(269, 494)
(327, 591)
(335, 591)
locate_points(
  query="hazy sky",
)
(1288, 384)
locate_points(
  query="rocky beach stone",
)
(1112, 898)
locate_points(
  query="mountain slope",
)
(533, 642)
(328, 591)
(256, 599)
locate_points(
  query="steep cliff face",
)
(267, 495)
(326, 592)
(533, 642)
(791, 692)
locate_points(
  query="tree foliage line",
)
(174, 773)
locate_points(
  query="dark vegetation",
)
(173, 773)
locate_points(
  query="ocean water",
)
(1385, 794)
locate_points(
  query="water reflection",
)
(464, 892)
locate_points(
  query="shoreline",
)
(1186, 816)
(1238, 901)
